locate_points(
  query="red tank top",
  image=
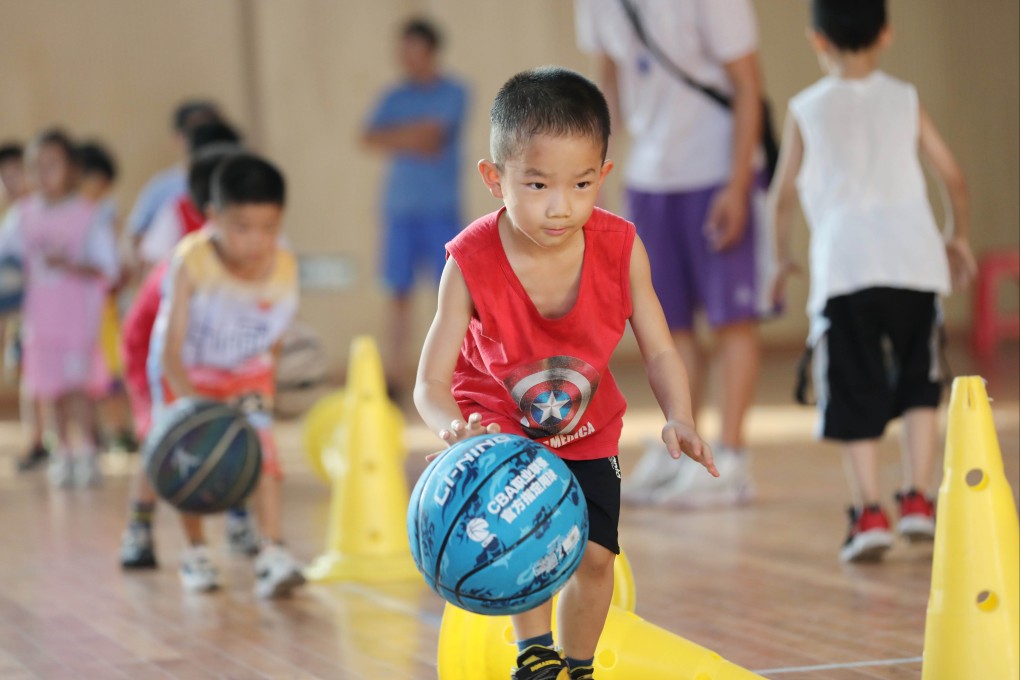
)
(547, 379)
(192, 218)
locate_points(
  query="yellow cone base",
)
(473, 647)
(338, 567)
(973, 625)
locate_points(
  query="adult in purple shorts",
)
(691, 180)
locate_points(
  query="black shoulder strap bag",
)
(768, 134)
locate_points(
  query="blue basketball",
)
(12, 285)
(497, 524)
(202, 456)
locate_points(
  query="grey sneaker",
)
(694, 488)
(655, 469)
(86, 471)
(61, 471)
(242, 536)
(136, 548)
(198, 573)
(277, 573)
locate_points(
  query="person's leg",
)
(656, 215)
(739, 356)
(397, 266)
(83, 414)
(197, 571)
(920, 430)
(861, 466)
(277, 572)
(584, 603)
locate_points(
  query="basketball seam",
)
(175, 432)
(209, 464)
(520, 540)
(449, 531)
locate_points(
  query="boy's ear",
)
(885, 38)
(491, 176)
(819, 43)
(607, 167)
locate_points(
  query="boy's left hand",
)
(681, 438)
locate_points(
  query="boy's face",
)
(247, 234)
(94, 185)
(12, 176)
(52, 171)
(550, 187)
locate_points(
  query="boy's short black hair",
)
(93, 157)
(850, 25)
(59, 138)
(201, 170)
(190, 114)
(207, 134)
(246, 178)
(549, 100)
(11, 151)
(425, 30)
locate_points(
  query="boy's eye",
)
(536, 185)
(583, 185)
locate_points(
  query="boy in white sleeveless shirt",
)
(878, 264)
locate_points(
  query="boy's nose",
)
(559, 206)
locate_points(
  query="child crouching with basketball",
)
(230, 293)
(532, 302)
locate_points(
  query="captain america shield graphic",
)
(552, 394)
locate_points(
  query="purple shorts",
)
(686, 273)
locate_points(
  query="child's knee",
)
(598, 562)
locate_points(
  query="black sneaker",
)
(136, 548)
(582, 673)
(540, 663)
(35, 457)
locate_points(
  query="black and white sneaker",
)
(198, 573)
(136, 548)
(277, 573)
(540, 663)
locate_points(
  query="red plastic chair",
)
(990, 326)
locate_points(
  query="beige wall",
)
(300, 76)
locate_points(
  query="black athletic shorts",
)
(600, 482)
(880, 356)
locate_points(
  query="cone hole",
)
(987, 601)
(509, 636)
(606, 659)
(373, 536)
(976, 479)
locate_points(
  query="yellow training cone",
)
(973, 624)
(473, 647)
(367, 536)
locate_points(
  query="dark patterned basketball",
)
(497, 524)
(203, 456)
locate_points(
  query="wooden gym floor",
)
(760, 585)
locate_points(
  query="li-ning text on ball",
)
(461, 466)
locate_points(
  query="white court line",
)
(836, 666)
(393, 604)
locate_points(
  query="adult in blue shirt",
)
(418, 124)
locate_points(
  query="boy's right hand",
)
(460, 430)
(962, 265)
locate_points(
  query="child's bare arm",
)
(432, 390)
(666, 373)
(940, 159)
(781, 201)
(177, 329)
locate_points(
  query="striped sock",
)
(141, 513)
(545, 640)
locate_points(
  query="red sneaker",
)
(869, 535)
(917, 516)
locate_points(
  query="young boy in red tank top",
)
(532, 302)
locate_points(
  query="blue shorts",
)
(415, 243)
(729, 286)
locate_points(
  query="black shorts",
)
(600, 482)
(880, 356)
